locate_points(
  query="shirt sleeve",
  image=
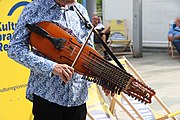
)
(171, 30)
(19, 47)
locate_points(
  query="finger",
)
(71, 69)
(112, 94)
(103, 88)
(63, 78)
(67, 73)
(107, 92)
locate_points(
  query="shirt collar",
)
(53, 4)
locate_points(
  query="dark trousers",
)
(45, 110)
(176, 43)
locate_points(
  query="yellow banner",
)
(13, 76)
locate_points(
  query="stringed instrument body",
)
(61, 47)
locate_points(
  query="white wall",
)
(119, 9)
(156, 16)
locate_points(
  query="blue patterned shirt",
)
(40, 82)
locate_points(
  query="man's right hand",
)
(64, 71)
(176, 37)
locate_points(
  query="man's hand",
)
(64, 71)
(176, 37)
(107, 92)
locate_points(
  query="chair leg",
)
(172, 50)
(90, 116)
(169, 48)
(112, 106)
(127, 45)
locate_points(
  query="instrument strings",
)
(98, 62)
(110, 77)
(102, 72)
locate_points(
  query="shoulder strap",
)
(108, 50)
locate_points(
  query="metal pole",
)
(103, 11)
(137, 28)
(91, 7)
(84, 3)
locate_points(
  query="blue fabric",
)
(40, 83)
(176, 43)
(174, 31)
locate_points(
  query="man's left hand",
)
(107, 92)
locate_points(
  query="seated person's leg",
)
(106, 56)
(98, 44)
(107, 37)
(176, 43)
(104, 39)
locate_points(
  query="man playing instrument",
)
(52, 100)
